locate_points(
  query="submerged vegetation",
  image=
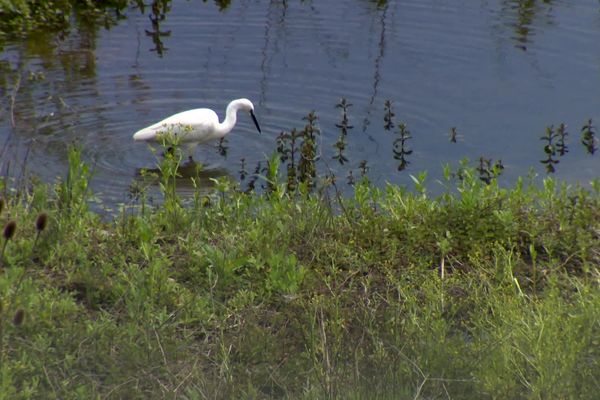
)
(480, 292)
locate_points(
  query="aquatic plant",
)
(561, 135)
(549, 149)
(344, 126)
(287, 147)
(309, 151)
(254, 177)
(299, 151)
(243, 172)
(400, 148)
(488, 169)
(588, 137)
(453, 134)
(388, 117)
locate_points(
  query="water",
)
(498, 71)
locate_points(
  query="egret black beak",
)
(255, 121)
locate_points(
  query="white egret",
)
(193, 127)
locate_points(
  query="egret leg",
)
(189, 151)
(168, 151)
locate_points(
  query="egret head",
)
(245, 104)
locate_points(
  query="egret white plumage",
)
(193, 127)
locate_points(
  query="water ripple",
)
(496, 71)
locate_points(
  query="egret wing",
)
(191, 126)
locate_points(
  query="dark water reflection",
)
(499, 71)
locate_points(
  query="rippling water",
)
(498, 71)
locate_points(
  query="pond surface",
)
(498, 71)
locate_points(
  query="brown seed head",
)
(9, 230)
(2, 204)
(19, 317)
(41, 222)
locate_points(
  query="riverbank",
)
(481, 292)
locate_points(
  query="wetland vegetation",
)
(480, 292)
(301, 280)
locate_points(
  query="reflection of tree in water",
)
(31, 97)
(40, 72)
(63, 57)
(160, 8)
(159, 11)
(382, 7)
(275, 31)
(223, 4)
(525, 12)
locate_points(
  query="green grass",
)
(480, 292)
